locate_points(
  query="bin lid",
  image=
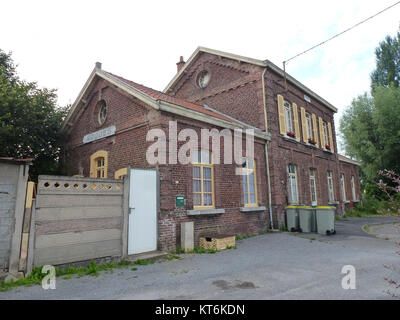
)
(325, 207)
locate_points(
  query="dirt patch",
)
(237, 284)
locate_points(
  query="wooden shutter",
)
(296, 121)
(281, 113)
(330, 137)
(304, 124)
(315, 129)
(321, 133)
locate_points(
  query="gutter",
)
(266, 152)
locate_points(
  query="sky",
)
(56, 43)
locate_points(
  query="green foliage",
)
(201, 250)
(30, 121)
(283, 228)
(198, 250)
(370, 128)
(387, 70)
(172, 257)
(250, 235)
(93, 269)
(372, 207)
(34, 278)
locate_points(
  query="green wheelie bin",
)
(307, 219)
(325, 220)
(292, 218)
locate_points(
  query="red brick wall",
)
(128, 147)
(237, 91)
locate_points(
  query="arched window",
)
(99, 164)
(119, 174)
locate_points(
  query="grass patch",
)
(373, 207)
(201, 250)
(366, 228)
(283, 228)
(172, 257)
(93, 269)
(246, 236)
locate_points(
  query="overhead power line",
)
(339, 34)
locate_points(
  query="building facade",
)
(295, 161)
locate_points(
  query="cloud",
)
(57, 43)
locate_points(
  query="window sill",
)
(289, 138)
(333, 202)
(252, 209)
(346, 201)
(355, 201)
(199, 212)
(327, 151)
(311, 145)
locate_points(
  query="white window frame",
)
(289, 117)
(293, 197)
(310, 131)
(313, 186)
(326, 136)
(353, 188)
(331, 189)
(343, 183)
(249, 169)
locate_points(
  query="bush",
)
(372, 206)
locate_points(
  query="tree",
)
(30, 120)
(387, 70)
(370, 128)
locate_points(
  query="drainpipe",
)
(266, 151)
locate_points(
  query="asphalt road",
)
(271, 266)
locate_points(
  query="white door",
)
(142, 227)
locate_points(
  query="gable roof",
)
(159, 101)
(158, 95)
(261, 63)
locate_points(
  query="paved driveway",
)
(271, 266)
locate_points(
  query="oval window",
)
(102, 115)
(203, 79)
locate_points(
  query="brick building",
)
(295, 153)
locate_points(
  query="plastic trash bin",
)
(292, 217)
(307, 219)
(325, 220)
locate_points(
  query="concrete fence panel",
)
(77, 219)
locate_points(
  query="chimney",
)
(180, 64)
(98, 65)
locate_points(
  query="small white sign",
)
(106, 132)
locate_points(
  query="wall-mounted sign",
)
(180, 201)
(103, 133)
